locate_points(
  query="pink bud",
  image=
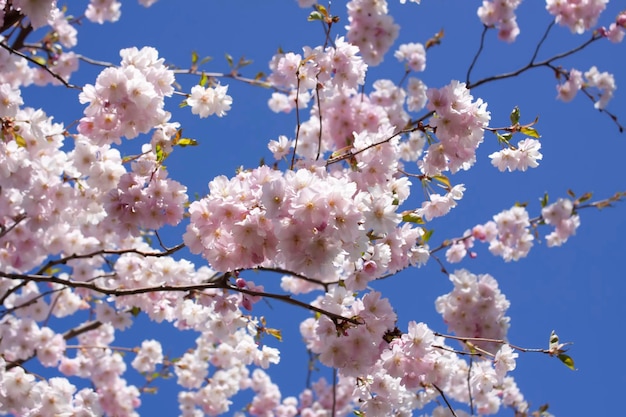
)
(246, 303)
(370, 267)
(479, 232)
(621, 19)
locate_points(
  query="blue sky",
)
(576, 289)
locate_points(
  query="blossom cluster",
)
(207, 101)
(304, 221)
(501, 14)
(525, 155)
(593, 78)
(100, 11)
(577, 15)
(508, 234)
(475, 309)
(83, 220)
(561, 216)
(371, 28)
(127, 100)
(338, 67)
(459, 124)
(414, 54)
(145, 197)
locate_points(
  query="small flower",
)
(208, 101)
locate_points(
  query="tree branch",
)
(40, 65)
(221, 284)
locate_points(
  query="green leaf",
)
(182, 142)
(504, 138)
(135, 311)
(529, 131)
(183, 104)
(569, 362)
(322, 10)
(427, 235)
(515, 116)
(205, 60)
(276, 333)
(411, 217)
(19, 140)
(229, 59)
(243, 62)
(315, 15)
(544, 200)
(584, 197)
(203, 80)
(40, 60)
(554, 340)
(443, 179)
(194, 57)
(160, 154)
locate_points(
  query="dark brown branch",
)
(66, 259)
(445, 400)
(300, 276)
(531, 65)
(40, 65)
(542, 40)
(475, 59)
(218, 284)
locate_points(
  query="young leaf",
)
(411, 217)
(19, 140)
(554, 341)
(159, 153)
(584, 197)
(427, 235)
(529, 131)
(182, 142)
(515, 116)
(229, 59)
(443, 180)
(504, 138)
(276, 333)
(315, 15)
(322, 10)
(568, 361)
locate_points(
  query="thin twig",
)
(469, 385)
(104, 252)
(532, 65)
(121, 292)
(295, 145)
(445, 400)
(40, 65)
(475, 59)
(542, 40)
(333, 411)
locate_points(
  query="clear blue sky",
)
(577, 290)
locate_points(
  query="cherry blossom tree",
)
(97, 231)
